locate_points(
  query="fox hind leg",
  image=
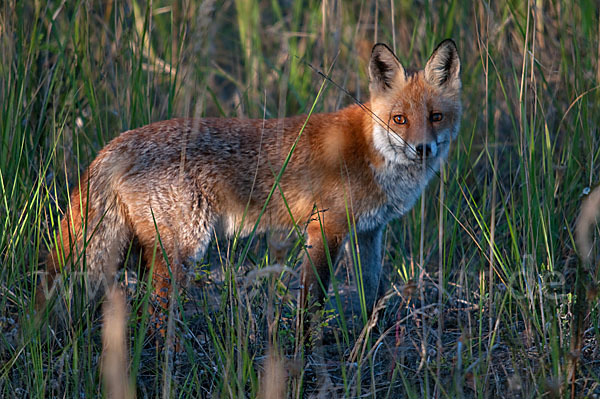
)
(169, 241)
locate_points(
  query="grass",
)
(487, 295)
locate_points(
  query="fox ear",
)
(443, 67)
(384, 68)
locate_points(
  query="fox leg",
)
(163, 259)
(323, 245)
(172, 238)
(155, 263)
(163, 267)
(369, 272)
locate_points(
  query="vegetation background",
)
(488, 293)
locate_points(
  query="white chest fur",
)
(402, 185)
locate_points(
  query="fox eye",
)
(436, 117)
(400, 119)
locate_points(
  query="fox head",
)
(416, 114)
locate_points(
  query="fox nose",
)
(426, 150)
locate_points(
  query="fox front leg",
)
(367, 264)
(322, 246)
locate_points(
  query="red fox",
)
(190, 179)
